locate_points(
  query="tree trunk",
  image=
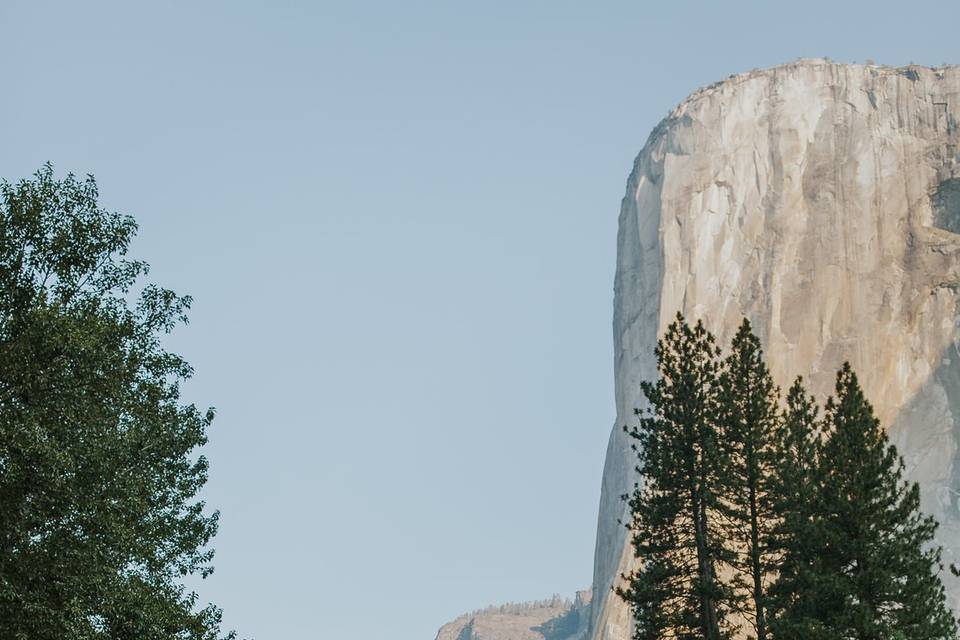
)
(755, 560)
(709, 624)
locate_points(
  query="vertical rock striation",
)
(822, 201)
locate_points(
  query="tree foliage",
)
(749, 419)
(677, 593)
(796, 602)
(772, 519)
(99, 519)
(878, 560)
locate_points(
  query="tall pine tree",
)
(878, 561)
(749, 418)
(796, 603)
(676, 592)
(803, 525)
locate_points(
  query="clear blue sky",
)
(398, 223)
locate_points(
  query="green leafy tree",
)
(676, 592)
(749, 418)
(878, 558)
(99, 519)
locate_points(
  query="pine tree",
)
(676, 592)
(816, 532)
(796, 604)
(749, 417)
(877, 558)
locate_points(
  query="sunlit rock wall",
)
(822, 201)
(553, 619)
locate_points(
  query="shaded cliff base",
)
(556, 618)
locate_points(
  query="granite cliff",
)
(822, 201)
(553, 619)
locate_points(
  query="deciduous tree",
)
(99, 516)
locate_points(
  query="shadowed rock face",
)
(822, 201)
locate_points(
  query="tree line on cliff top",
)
(770, 519)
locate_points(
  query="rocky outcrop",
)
(553, 619)
(822, 201)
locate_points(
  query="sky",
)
(398, 224)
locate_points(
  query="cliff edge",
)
(822, 201)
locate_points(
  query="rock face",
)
(553, 619)
(822, 201)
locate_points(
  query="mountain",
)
(821, 201)
(553, 619)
